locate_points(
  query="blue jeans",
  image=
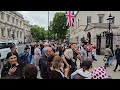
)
(109, 60)
(31, 58)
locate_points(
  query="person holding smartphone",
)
(12, 67)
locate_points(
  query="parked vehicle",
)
(5, 48)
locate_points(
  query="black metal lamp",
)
(110, 22)
(109, 36)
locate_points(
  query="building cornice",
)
(18, 14)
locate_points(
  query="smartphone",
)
(13, 65)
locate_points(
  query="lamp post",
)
(110, 21)
(109, 35)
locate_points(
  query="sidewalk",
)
(114, 75)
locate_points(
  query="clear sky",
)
(39, 17)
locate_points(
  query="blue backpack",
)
(23, 57)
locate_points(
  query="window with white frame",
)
(17, 34)
(100, 18)
(8, 18)
(20, 23)
(20, 34)
(16, 21)
(13, 20)
(8, 33)
(2, 15)
(89, 19)
(2, 32)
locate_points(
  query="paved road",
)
(21, 48)
(114, 75)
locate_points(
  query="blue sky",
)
(39, 17)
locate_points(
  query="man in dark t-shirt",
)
(32, 51)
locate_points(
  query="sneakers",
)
(95, 59)
(114, 70)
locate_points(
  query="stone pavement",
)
(114, 75)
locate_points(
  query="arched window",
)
(2, 32)
(2, 15)
(20, 34)
(9, 32)
(17, 34)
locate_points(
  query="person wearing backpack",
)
(25, 56)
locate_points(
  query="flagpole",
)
(48, 25)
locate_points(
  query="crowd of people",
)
(56, 61)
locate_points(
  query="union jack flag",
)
(70, 18)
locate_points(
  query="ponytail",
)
(84, 68)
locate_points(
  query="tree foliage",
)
(38, 33)
(59, 25)
(57, 29)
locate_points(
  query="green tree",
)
(59, 25)
(51, 32)
(38, 33)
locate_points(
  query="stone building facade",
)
(95, 23)
(12, 24)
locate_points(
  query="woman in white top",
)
(83, 73)
(37, 55)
